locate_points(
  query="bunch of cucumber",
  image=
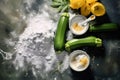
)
(60, 5)
(59, 40)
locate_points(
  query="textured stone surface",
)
(32, 56)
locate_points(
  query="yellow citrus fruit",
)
(98, 9)
(76, 4)
(85, 10)
(90, 1)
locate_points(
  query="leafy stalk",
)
(60, 5)
(55, 4)
(65, 8)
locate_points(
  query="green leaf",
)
(60, 8)
(57, 1)
(65, 8)
(55, 4)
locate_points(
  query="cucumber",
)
(87, 41)
(59, 40)
(103, 27)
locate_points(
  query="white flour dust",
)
(35, 47)
(38, 37)
(36, 44)
(34, 54)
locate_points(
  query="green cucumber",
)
(87, 41)
(59, 40)
(103, 27)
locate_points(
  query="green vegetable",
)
(59, 40)
(103, 27)
(57, 1)
(55, 4)
(60, 5)
(59, 8)
(87, 41)
(65, 8)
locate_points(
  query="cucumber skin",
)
(87, 41)
(59, 40)
(103, 27)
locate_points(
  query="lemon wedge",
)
(76, 4)
(98, 9)
(85, 10)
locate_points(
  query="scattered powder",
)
(76, 27)
(36, 43)
(35, 50)
(35, 47)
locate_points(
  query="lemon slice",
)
(98, 9)
(76, 4)
(85, 10)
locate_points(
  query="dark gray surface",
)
(112, 9)
(105, 63)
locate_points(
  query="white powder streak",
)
(35, 46)
(34, 50)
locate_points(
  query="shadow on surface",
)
(84, 75)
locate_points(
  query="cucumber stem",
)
(98, 42)
(65, 14)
